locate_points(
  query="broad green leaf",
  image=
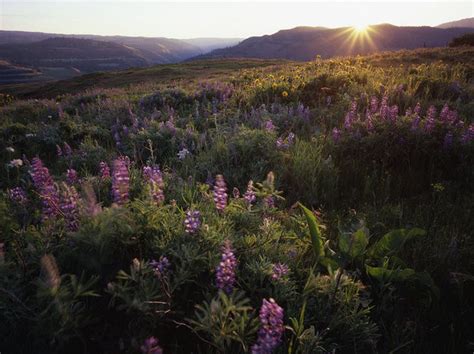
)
(314, 232)
(389, 275)
(392, 242)
(355, 244)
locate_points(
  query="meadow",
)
(232, 206)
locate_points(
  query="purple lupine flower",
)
(269, 201)
(374, 105)
(351, 116)
(150, 346)
(161, 267)
(448, 140)
(443, 115)
(249, 195)
(468, 135)
(328, 101)
(291, 138)
(155, 180)
(393, 113)
(220, 193)
(279, 270)
(104, 170)
(430, 119)
(269, 126)
(69, 207)
(183, 153)
(271, 327)
(67, 149)
(415, 123)
(225, 272)
(384, 108)
(44, 183)
(417, 109)
(18, 196)
(71, 176)
(192, 222)
(336, 135)
(285, 143)
(59, 151)
(120, 181)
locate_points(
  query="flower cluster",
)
(104, 170)
(154, 179)
(279, 270)
(183, 153)
(161, 267)
(18, 196)
(150, 346)
(46, 188)
(192, 222)
(249, 195)
(285, 143)
(225, 274)
(220, 193)
(271, 327)
(71, 176)
(120, 181)
(69, 207)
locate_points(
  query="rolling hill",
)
(157, 50)
(84, 55)
(304, 43)
(465, 23)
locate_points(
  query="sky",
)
(237, 19)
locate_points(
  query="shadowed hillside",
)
(304, 43)
(84, 54)
(465, 23)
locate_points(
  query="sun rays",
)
(358, 39)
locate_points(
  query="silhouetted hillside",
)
(85, 55)
(157, 50)
(304, 43)
(465, 23)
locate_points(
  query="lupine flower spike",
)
(271, 328)
(104, 171)
(150, 346)
(220, 193)
(155, 180)
(69, 207)
(46, 188)
(279, 270)
(249, 195)
(161, 267)
(225, 275)
(120, 182)
(192, 222)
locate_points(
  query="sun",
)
(360, 27)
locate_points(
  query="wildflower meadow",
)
(319, 207)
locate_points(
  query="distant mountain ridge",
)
(48, 56)
(84, 55)
(465, 23)
(304, 43)
(156, 50)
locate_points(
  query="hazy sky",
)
(187, 19)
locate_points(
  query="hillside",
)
(10, 73)
(464, 23)
(157, 50)
(85, 55)
(159, 74)
(304, 43)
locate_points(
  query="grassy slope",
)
(160, 74)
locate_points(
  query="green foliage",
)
(404, 285)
